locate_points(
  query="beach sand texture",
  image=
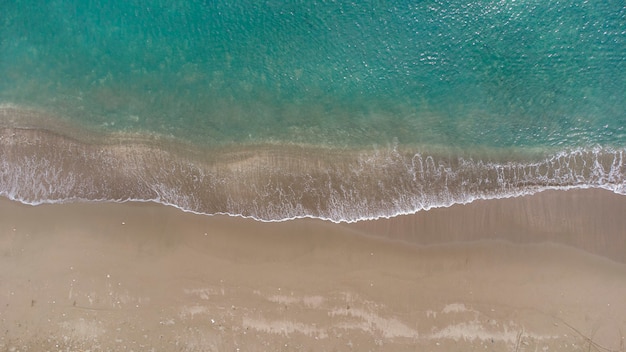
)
(536, 273)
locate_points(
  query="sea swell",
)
(280, 182)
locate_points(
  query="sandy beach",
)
(221, 175)
(536, 273)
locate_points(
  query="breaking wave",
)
(280, 182)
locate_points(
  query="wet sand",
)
(274, 181)
(537, 273)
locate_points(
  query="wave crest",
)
(273, 183)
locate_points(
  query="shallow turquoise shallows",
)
(512, 75)
(494, 73)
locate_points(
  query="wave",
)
(281, 182)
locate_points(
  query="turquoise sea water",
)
(384, 88)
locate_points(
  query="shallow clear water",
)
(503, 77)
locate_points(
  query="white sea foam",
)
(268, 186)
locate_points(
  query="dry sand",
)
(537, 273)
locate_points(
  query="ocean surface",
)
(332, 109)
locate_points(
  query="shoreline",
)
(271, 183)
(109, 276)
